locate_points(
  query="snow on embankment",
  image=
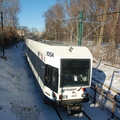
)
(107, 75)
(110, 78)
(19, 99)
(14, 91)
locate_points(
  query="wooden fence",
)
(104, 97)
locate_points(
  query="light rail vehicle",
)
(63, 72)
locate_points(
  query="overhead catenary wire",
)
(109, 13)
(79, 20)
(92, 31)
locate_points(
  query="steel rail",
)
(57, 112)
(86, 115)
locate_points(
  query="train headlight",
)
(63, 96)
(60, 96)
(85, 95)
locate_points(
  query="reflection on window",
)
(52, 78)
(75, 72)
(48, 74)
(54, 75)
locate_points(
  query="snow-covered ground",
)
(107, 75)
(20, 99)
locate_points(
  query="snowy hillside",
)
(18, 95)
(107, 75)
(20, 99)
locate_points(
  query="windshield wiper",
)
(82, 85)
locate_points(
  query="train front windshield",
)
(75, 72)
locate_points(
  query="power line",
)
(106, 35)
(109, 13)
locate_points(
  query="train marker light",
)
(63, 96)
(60, 96)
(84, 89)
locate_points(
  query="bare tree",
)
(113, 42)
(104, 7)
(53, 25)
(10, 11)
(72, 9)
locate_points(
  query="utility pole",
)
(80, 28)
(2, 32)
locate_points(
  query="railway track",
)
(57, 112)
(86, 115)
(61, 111)
(63, 115)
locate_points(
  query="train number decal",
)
(50, 54)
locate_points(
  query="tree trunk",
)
(112, 42)
(102, 28)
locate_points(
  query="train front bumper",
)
(72, 101)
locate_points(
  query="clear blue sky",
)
(31, 14)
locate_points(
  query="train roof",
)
(59, 49)
(53, 43)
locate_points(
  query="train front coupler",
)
(74, 108)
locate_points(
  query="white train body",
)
(63, 72)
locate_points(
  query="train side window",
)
(48, 77)
(54, 82)
(51, 79)
(54, 76)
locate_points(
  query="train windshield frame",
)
(75, 72)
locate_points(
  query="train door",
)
(51, 78)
